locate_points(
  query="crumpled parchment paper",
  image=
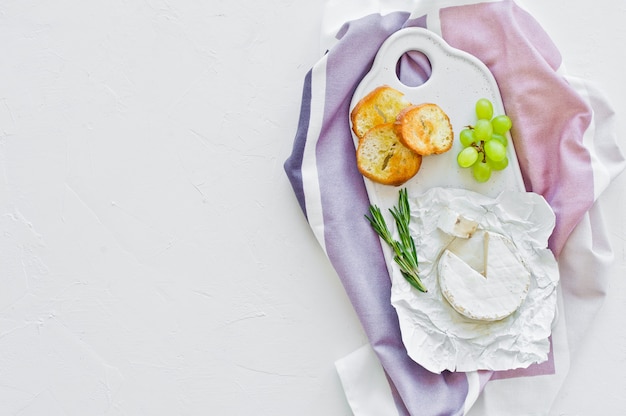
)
(438, 337)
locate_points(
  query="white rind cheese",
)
(456, 225)
(490, 295)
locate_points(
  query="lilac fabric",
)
(551, 120)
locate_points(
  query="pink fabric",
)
(550, 118)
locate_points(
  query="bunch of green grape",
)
(485, 143)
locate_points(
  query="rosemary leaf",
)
(405, 252)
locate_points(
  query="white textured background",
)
(153, 258)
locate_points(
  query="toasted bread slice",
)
(382, 158)
(380, 106)
(425, 129)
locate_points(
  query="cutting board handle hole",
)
(413, 68)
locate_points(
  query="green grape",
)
(500, 165)
(467, 157)
(481, 171)
(485, 143)
(483, 130)
(495, 150)
(501, 138)
(466, 137)
(501, 124)
(484, 109)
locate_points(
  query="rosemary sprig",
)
(405, 252)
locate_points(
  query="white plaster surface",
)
(153, 258)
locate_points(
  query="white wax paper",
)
(438, 337)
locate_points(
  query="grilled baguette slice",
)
(382, 158)
(379, 106)
(425, 129)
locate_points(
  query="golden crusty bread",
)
(382, 158)
(425, 129)
(379, 106)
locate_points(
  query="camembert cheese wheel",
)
(489, 296)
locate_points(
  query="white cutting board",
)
(457, 81)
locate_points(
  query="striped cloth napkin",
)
(566, 146)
